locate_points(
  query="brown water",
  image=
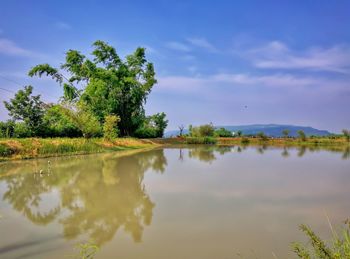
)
(196, 202)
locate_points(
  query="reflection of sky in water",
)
(203, 202)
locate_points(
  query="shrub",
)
(340, 247)
(146, 132)
(245, 140)
(222, 132)
(200, 140)
(301, 135)
(5, 150)
(206, 130)
(22, 130)
(110, 129)
(261, 135)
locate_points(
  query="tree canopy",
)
(105, 84)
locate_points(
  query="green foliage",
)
(22, 130)
(111, 85)
(110, 127)
(222, 132)
(84, 120)
(245, 140)
(27, 108)
(206, 130)
(5, 150)
(346, 134)
(152, 126)
(160, 123)
(261, 135)
(239, 133)
(200, 140)
(7, 129)
(301, 135)
(339, 247)
(285, 133)
(59, 124)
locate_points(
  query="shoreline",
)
(31, 148)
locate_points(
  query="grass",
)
(11, 149)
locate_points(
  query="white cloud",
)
(178, 46)
(291, 82)
(277, 55)
(63, 26)
(202, 43)
(9, 47)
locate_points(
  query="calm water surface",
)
(194, 202)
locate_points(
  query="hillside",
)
(272, 130)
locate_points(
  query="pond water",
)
(184, 202)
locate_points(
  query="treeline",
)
(210, 131)
(103, 96)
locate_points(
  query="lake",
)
(179, 202)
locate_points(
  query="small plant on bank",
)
(346, 134)
(261, 135)
(339, 247)
(285, 133)
(301, 135)
(110, 129)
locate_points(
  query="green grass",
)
(38, 147)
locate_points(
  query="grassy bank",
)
(282, 142)
(11, 149)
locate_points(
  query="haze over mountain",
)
(272, 130)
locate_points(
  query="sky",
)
(225, 62)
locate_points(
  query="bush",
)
(301, 135)
(222, 132)
(146, 132)
(200, 140)
(7, 128)
(58, 124)
(340, 247)
(245, 140)
(110, 129)
(5, 150)
(22, 130)
(206, 130)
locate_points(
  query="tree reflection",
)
(98, 195)
(207, 153)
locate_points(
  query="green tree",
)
(110, 85)
(59, 124)
(346, 134)
(222, 132)
(206, 130)
(27, 108)
(110, 127)
(160, 123)
(301, 135)
(84, 120)
(239, 133)
(285, 133)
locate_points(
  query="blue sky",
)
(226, 62)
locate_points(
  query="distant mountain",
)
(272, 130)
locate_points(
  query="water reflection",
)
(207, 153)
(96, 197)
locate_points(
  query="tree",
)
(160, 123)
(285, 133)
(110, 129)
(84, 120)
(206, 130)
(239, 133)
(27, 108)
(346, 134)
(181, 130)
(222, 132)
(261, 135)
(58, 123)
(110, 85)
(301, 135)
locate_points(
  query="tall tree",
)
(109, 85)
(27, 108)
